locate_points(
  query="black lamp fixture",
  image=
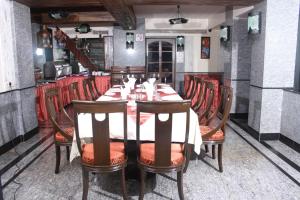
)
(44, 38)
(58, 14)
(180, 43)
(83, 28)
(129, 40)
(178, 20)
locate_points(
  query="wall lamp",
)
(180, 43)
(129, 40)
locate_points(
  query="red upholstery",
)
(219, 135)
(117, 153)
(60, 138)
(147, 154)
(102, 83)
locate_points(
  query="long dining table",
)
(162, 93)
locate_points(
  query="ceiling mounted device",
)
(178, 20)
(83, 28)
(58, 14)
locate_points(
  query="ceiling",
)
(124, 12)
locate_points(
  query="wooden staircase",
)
(78, 54)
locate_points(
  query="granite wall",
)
(272, 63)
(17, 108)
(122, 57)
(290, 119)
(236, 55)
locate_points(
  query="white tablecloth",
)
(146, 129)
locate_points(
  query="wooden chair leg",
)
(179, 185)
(220, 147)
(123, 183)
(213, 153)
(206, 148)
(142, 184)
(188, 157)
(85, 180)
(68, 152)
(57, 153)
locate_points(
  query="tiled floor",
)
(250, 172)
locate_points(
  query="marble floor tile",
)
(247, 175)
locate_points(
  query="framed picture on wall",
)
(205, 47)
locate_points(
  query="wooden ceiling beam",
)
(123, 13)
(69, 9)
(195, 2)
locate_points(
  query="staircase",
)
(78, 54)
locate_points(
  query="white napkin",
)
(131, 82)
(149, 90)
(151, 80)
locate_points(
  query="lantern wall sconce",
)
(44, 38)
(180, 43)
(129, 40)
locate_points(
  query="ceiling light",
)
(58, 14)
(178, 20)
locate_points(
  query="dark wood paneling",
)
(122, 13)
(194, 2)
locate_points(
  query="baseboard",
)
(291, 143)
(269, 136)
(11, 144)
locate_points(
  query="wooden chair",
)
(63, 135)
(96, 91)
(216, 135)
(88, 90)
(162, 156)
(74, 91)
(102, 155)
(204, 104)
(197, 93)
(191, 88)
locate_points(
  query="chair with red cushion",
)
(204, 103)
(215, 134)
(190, 87)
(101, 155)
(74, 91)
(163, 156)
(94, 85)
(88, 90)
(63, 134)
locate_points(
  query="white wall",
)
(193, 61)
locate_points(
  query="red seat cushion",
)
(147, 154)
(219, 135)
(60, 138)
(117, 153)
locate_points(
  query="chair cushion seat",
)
(147, 154)
(117, 153)
(219, 135)
(60, 138)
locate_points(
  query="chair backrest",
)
(222, 110)
(190, 88)
(202, 94)
(210, 94)
(101, 136)
(88, 90)
(74, 91)
(93, 81)
(53, 101)
(163, 129)
(197, 92)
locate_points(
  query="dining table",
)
(163, 92)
